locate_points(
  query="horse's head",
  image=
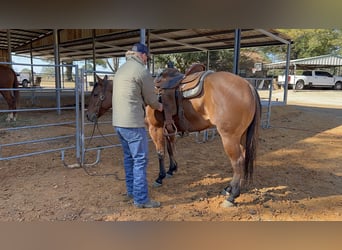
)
(100, 99)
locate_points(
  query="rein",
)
(96, 125)
(98, 106)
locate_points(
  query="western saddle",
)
(172, 87)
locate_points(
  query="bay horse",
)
(223, 99)
(8, 80)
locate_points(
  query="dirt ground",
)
(298, 175)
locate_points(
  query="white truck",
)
(312, 78)
(24, 79)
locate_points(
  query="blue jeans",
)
(135, 148)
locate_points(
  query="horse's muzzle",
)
(92, 117)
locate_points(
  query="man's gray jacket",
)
(133, 89)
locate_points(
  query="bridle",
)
(98, 106)
(100, 99)
(97, 110)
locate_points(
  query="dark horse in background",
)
(8, 80)
(221, 99)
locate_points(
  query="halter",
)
(101, 99)
(98, 106)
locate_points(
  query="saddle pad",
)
(196, 86)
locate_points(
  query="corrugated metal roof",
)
(317, 61)
(77, 44)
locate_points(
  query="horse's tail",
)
(252, 137)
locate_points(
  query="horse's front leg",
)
(170, 149)
(162, 174)
(159, 142)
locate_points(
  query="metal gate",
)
(11, 144)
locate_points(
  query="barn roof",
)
(323, 61)
(78, 44)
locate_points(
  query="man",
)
(133, 89)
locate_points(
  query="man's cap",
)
(139, 47)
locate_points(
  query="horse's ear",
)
(99, 80)
(105, 77)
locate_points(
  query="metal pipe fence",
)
(13, 148)
(81, 139)
(264, 86)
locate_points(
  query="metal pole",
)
(81, 135)
(147, 38)
(143, 36)
(57, 70)
(237, 51)
(31, 59)
(143, 41)
(287, 72)
(287, 59)
(208, 60)
(9, 47)
(78, 86)
(94, 57)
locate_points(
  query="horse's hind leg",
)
(11, 105)
(233, 150)
(11, 117)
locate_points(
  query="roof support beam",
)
(177, 42)
(110, 46)
(273, 36)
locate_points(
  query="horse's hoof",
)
(225, 192)
(226, 204)
(157, 184)
(169, 175)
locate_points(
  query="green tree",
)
(181, 61)
(219, 60)
(116, 63)
(50, 71)
(89, 66)
(308, 43)
(98, 62)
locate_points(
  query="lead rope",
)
(96, 125)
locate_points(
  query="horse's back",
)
(232, 88)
